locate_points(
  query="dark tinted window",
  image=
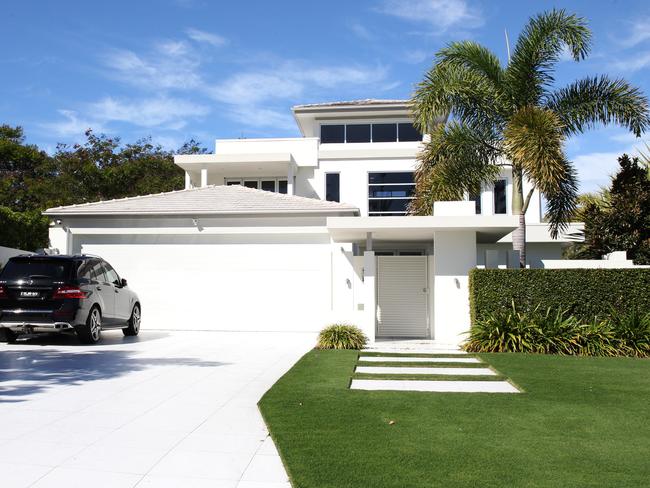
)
(376, 178)
(500, 197)
(388, 205)
(409, 133)
(384, 132)
(282, 186)
(357, 133)
(250, 184)
(84, 270)
(332, 187)
(25, 268)
(390, 191)
(267, 185)
(230, 183)
(111, 274)
(97, 271)
(332, 134)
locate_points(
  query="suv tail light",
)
(3, 293)
(68, 292)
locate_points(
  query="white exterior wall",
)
(454, 256)
(9, 252)
(353, 178)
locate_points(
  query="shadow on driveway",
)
(25, 372)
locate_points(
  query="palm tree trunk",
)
(519, 234)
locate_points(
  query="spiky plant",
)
(513, 117)
(341, 336)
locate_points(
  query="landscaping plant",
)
(341, 336)
(557, 332)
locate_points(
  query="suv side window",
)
(84, 272)
(111, 275)
(97, 272)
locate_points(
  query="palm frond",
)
(590, 101)
(457, 160)
(475, 58)
(533, 141)
(450, 90)
(538, 49)
(561, 204)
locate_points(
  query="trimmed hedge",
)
(584, 293)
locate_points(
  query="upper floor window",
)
(476, 198)
(266, 184)
(354, 133)
(390, 193)
(500, 197)
(333, 187)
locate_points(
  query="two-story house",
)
(291, 233)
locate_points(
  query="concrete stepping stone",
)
(435, 386)
(415, 351)
(425, 370)
(407, 359)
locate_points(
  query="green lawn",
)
(582, 422)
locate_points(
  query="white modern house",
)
(294, 233)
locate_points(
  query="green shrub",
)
(341, 336)
(586, 294)
(557, 332)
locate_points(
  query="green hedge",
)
(583, 293)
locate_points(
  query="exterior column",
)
(454, 255)
(204, 177)
(369, 324)
(188, 181)
(290, 180)
(369, 241)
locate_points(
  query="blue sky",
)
(176, 69)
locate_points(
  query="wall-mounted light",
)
(195, 222)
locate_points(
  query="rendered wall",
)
(454, 256)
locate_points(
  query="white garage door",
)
(240, 285)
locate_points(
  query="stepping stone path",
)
(467, 374)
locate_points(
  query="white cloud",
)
(442, 14)
(206, 37)
(151, 112)
(417, 56)
(362, 32)
(255, 116)
(595, 169)
(172, 66)
(638, 32)
(639, 61)
(251, 95)
(72, 125)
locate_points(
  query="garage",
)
(217, 265)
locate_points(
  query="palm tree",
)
(513, 117)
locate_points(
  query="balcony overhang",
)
(489, 229)
(237, 164)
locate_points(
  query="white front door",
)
(402, 289)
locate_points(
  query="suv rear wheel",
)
(134, 322)
(91, 332)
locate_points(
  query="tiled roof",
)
(216, 199)
(365, 102)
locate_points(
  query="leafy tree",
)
(512, 117)
(620, 219)
(99, 169)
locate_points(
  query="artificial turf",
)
(581, 422)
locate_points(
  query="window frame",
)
(371, 122)
(338, 184)
(505, 196)
(387, 213)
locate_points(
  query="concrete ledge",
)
(435, 386)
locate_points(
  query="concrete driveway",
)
(165, 409)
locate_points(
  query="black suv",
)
(82, 293)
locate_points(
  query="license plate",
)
(29, 294)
